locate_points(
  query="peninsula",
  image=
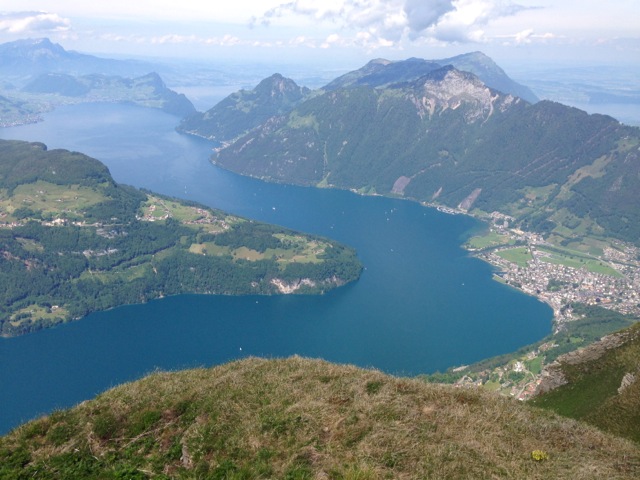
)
(73, 241)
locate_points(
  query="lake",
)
(422, 303)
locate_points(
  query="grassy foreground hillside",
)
(303, 419)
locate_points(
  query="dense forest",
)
(72, 241)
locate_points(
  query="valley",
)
(548, 208)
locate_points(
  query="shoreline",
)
(603, 290)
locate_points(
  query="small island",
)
(73, 241)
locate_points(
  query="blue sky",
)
(347, 31)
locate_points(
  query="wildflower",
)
(539, 455)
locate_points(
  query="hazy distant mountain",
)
(276, 95)
(447, 137)
(380, 72)
(32, 57)
(148, 91)
(58, 83)
(246, 109)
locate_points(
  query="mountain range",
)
(276, 95)
(448, 138)
(381, 73)
(435, 133)
(246, 109)
(38, 75)
(148, 90)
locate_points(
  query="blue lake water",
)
(421, 305)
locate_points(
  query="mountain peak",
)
(33, 48)
(246, 109)
(278, 82)
(154, 80)
(379, 61)
(381, 72)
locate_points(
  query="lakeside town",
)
(608, 277)
(560, 277)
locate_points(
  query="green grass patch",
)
(498, 278)
(307, 121)
(157, 208)
(520, 255)
(534, 365)
(209, 248)
(576, 259)
(51, 199)
(489, 239)
(492, 386)
(35, 313)
(244, 253)
(538, 195)
(595, 170)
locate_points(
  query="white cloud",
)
(38, 23)
(396, 22)
(421, 15)
(526, 37)
(353, 26)
(467, 22)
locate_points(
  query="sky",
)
(587, 32)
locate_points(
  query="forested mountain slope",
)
(246, 109)
(450, 139)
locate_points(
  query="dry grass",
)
(299, 418)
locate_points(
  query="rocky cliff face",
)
(449, 88)
(598, 384)
(553, 375)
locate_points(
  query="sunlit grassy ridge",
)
(299, 418)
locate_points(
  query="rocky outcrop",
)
(448, 88)
(292, 287)
(628, 380)
(553, 375)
